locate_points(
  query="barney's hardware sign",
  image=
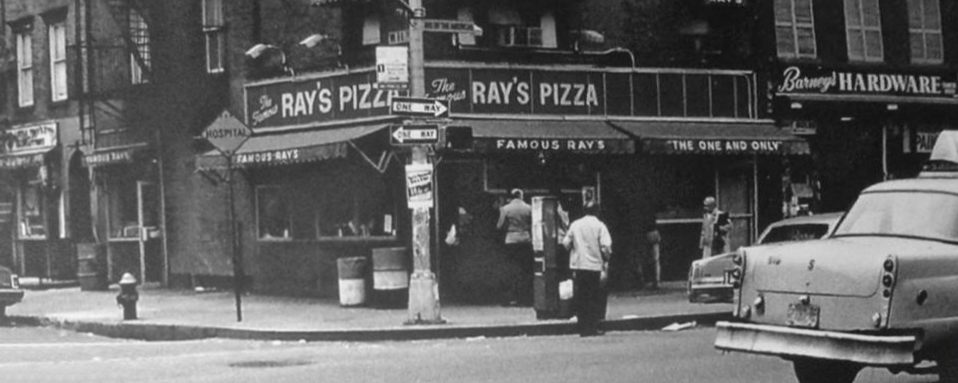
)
(796, 80)
(308, 101)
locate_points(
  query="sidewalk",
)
(182, 314)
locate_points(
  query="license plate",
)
(800, 315)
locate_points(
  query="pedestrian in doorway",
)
(715, 228)
(590, 246)
(515, 218)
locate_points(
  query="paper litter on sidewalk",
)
(679, 326)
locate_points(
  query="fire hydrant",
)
(128, 296)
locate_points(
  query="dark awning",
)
(290, 148)
(548, 135)
(674, 137)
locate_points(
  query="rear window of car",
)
(791, 233)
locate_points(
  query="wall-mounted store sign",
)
(506, 91)
(548, 145)
(717, 146)
(31, 138)
(819, 80)
(316, 100)
(119, 156)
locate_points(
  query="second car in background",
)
(709, 280)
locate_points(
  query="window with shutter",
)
(863, 30)
(58, 61)
(924, 26)
(25, 68)
(795, 29)
(213, 30)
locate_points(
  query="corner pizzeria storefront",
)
(327, 183)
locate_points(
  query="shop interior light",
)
(847, 119)
(892, 106)
(796, 105)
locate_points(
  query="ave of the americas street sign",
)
(227, 133)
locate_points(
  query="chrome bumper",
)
(790, 342)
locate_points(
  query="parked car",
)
(10, 292)
(709, 279)
(878, 292)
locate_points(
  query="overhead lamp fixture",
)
(892, 106)
(589, 36)
(796, 105)
(315, 39)
(847, 119)
(259, 50)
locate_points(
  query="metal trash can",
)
(91, 266)
(391, 276)
(352, 280)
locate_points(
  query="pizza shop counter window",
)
(348, 207)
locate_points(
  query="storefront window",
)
(123, 209)
(32, 224)
(351, 207)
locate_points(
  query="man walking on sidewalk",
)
(515, 218)
(590, 247)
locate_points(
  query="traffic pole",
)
(423, 287)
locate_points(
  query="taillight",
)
(889, 267)
(14, 281)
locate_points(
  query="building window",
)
(25, 67)
(32, 211)
(863, 30)
(124, 219)
(924, 26)
(354, 206)
(213, 29)
(371, 30)
(58, 61)
(795, 29)
(140, 57)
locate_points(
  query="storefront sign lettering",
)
(16, 162)
(109, 157)
(316, 100)
(799, 80)
(31, 138)
(724, 146)
(266, 157)
(486, 90)
(550, 145)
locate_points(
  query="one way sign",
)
(423, 107)
(413, 134)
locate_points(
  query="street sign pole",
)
(423, 305)
(237, 258)
(227, 134)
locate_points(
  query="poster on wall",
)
(419, 186)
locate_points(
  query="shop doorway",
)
(148, 211)
(734, 195)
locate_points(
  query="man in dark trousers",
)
(515, 218)
(590, 247)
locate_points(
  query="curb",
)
(168, 332)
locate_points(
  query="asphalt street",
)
(49, 355)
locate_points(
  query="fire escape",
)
(113, 71)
